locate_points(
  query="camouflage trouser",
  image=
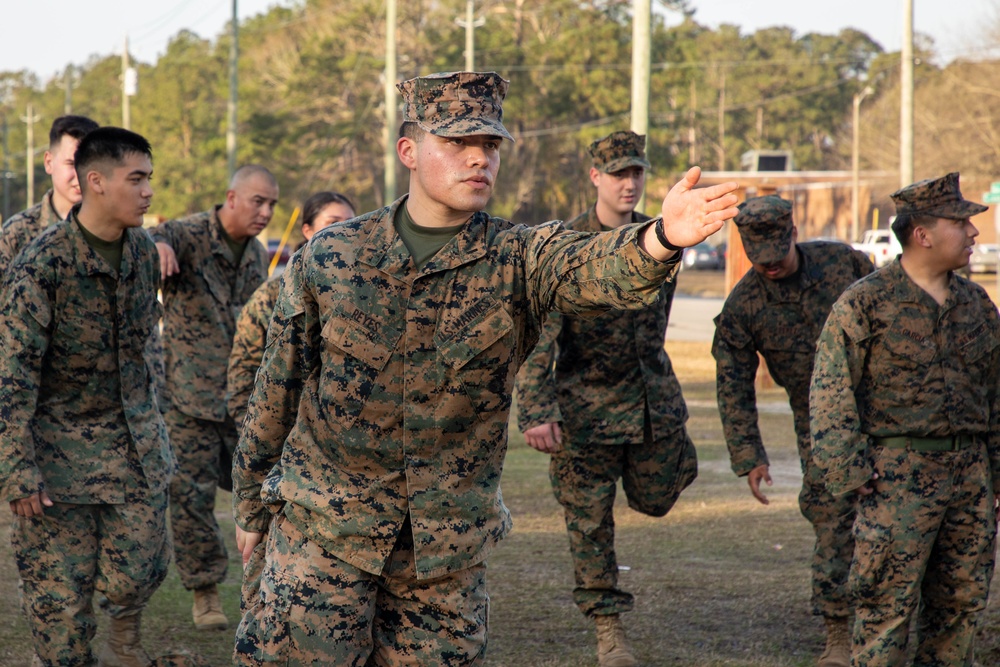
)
(584, 479)
(199, 550)
(832, 518)
(925, 537)
(71, 551)
(315, 609)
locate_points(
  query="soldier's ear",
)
(406, 149)
(595, 176)
(95, 181)
(920, 236)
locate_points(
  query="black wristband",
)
(662, 238)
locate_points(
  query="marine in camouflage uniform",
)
(215, 273)
(600, 395)
(904, 415)
(84, 455)
(248, 347)
(19, 229)
(376, 432)
(319, 211)
(777, 310)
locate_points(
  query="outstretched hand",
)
(692, 215)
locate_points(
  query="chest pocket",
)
(81, 345)
(786, 340)
(480, 356)
(353, 357)
(902, 363)
(975, 355)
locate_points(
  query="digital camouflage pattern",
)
(201, 305)
(919, 495)
(584, 478)
(607, 379)
(935, 197)
(248, 347)
(199, 444)
(891, 361)
(781, 320)
(384, 391)
(598, 374)
(315, 609)
(80, 421)
(72, 551)
(619, 150)
(765, 227)
(609, 382)
(79, 409)
(456, 104)
(19, 229)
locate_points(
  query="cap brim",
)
(623, 163)
(468, 128)
(957, 210)
(768, 251)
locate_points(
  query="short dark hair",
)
(108, 144)
(311, 207)
(411, 130)
(70, 126)
(904, 224)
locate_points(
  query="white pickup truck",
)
(881, 246)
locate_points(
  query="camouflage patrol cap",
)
(619, 150)
(456, 104)
(935, 197)
(765, 225)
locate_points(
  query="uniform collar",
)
(88, 262)
(48, 214)
(385, 250)
(589, 222)
(908, 291)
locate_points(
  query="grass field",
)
(720, 581)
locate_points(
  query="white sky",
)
(46, 35)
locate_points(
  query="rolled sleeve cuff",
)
(850, 476)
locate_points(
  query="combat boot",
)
(613, 649)
(123, 647)
(838, 644)
(207, 610)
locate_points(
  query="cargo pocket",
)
(872, 544)
(250, 591)
(265, 637)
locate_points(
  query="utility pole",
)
(30, 119)
(68, 105)
(389, 154)
(6, 171)
(722, 119)
(641, 47)
(906, 99)
(855, 160)
(692, 132)
(126, 111)
(234, 53)
(470, 24)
